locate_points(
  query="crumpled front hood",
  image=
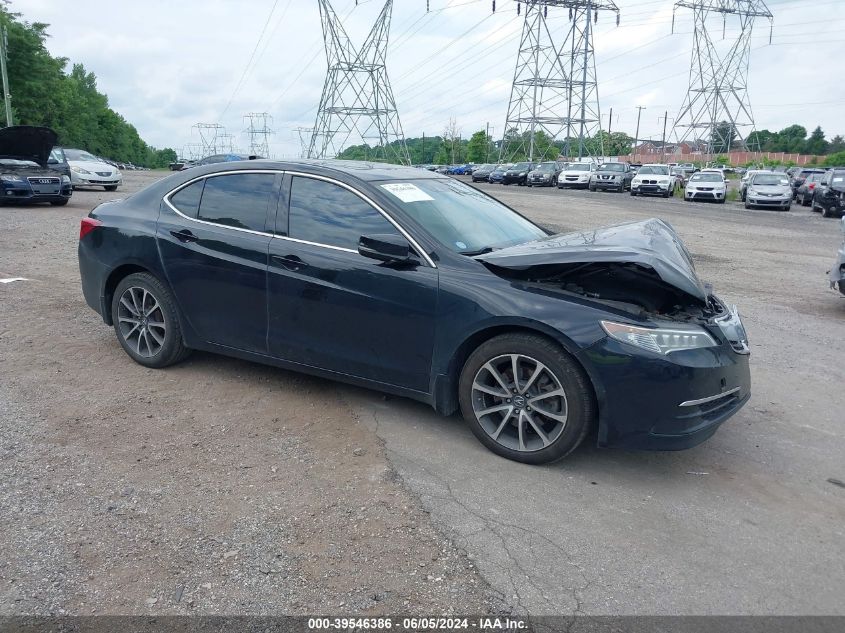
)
(650, 243)
(27, 142)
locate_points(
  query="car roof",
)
(361, 170)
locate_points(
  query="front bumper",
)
(780, 202)
(700, 194)
(22, 192)
(649, 188)
(539, 181)
(672, 402)
(601, 183)
(510, 179)
(570, 181)
(94, 180)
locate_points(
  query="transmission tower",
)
(209, 134)
(259, 133)
(304, 140)
(555, 90)
(226, 143)
(716, 109)
(357, 105)
(192, 151)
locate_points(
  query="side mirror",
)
(385, 248)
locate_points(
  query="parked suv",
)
(576, 175)
(616, 176)
(829, 194)
(545, 174)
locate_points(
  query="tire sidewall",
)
(579, 397)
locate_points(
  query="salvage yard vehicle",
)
(483, 172)
(545, 174)
(746, 177)
(616, 176)
(829, 194)
(498, 174)
(86, 170)
(769, 191)
(518, 174)
(703, 185)
(26, 174)
(420, 285)
(837, 273)
(804, 192)
(576, 175)
(653, 179)
(797, 178)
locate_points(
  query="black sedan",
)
(829, 194)
(27, 172)
(518, 174)
(419, 285)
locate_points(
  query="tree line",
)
(44, 93)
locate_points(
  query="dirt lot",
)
(220, 486)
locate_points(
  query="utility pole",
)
(637, 133)
(7, 97)
(663, 142)
(487, 143)
(423, 149)
(610, 122)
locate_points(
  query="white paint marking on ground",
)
(11, 279)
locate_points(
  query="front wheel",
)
(526, 399)
(827, 212)
(59, 203)
(146, 322)
(633, 193)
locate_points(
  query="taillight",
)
(811, 186)
(87, 225)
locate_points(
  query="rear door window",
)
(238, 200)
(187, 200)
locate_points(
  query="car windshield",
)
(659, 170)
(770, 179)
(520, 167)
(461, 217)
(579, 167)
(78, 154)
(612, 167)
(57, 154)
(705, 177)
(547, 167)
(14, 162)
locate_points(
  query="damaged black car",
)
(416, 284)
(27, 172)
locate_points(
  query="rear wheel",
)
(526, 399)
(146, 321)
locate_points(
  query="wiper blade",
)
(480, 251)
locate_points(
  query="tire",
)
(170, 349)
(747, 206)
(110, 187)
(633, 193)
(593, 189)
(666, 195)
(826, 212)
(787, 207)
(722, 201)
(59, 203)
(813, 205)
(559, 370)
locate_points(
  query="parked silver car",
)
(769, 190)
(837, 273)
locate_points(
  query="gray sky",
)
(168, 65)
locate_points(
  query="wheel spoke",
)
(138, 309)
(537, 428)
(548, 394)
(128, 320)
(132, 331)
(520, 425)
(503, 424)
(493, 409)
(538, 369)
(515, 370)
(152, 309)
(495, 373)
(125, 303)
(158, 339)
(560, 417)
(490, 390)
(138, 344)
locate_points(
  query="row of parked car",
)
(821, 189)
(650, 179)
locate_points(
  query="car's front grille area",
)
(104, 173)
(47, 180)
(694, 414)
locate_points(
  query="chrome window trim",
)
(402, 231)
(692, 403)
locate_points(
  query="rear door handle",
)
(184, 235)
(291, 262)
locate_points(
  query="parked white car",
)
(86, 170)
(576, 175)
(654, 179)
(706, 185)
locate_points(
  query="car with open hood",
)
(423, 286)
(26, 174)
(829, 194)
(769, 190)
(87, 170)
(612, 176)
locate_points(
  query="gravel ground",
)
(216, 487)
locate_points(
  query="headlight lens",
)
(65, 179)
(80, 170)
(659, 340)
(11, 178)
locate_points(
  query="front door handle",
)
(291, 262)
(184, 236)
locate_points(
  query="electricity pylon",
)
(226, 143)
(259, 133)
(357, 105)
(717, 109)
(554, 104)
(209, 134)
(304, 140)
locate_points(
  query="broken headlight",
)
(659, 340)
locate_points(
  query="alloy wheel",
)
(141, 321)
(519, 402)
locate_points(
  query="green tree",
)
(478, 148)
(722, 138)
(835, 160)
(837, 144)
(817, 144)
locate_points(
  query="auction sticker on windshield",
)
(407, 192)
